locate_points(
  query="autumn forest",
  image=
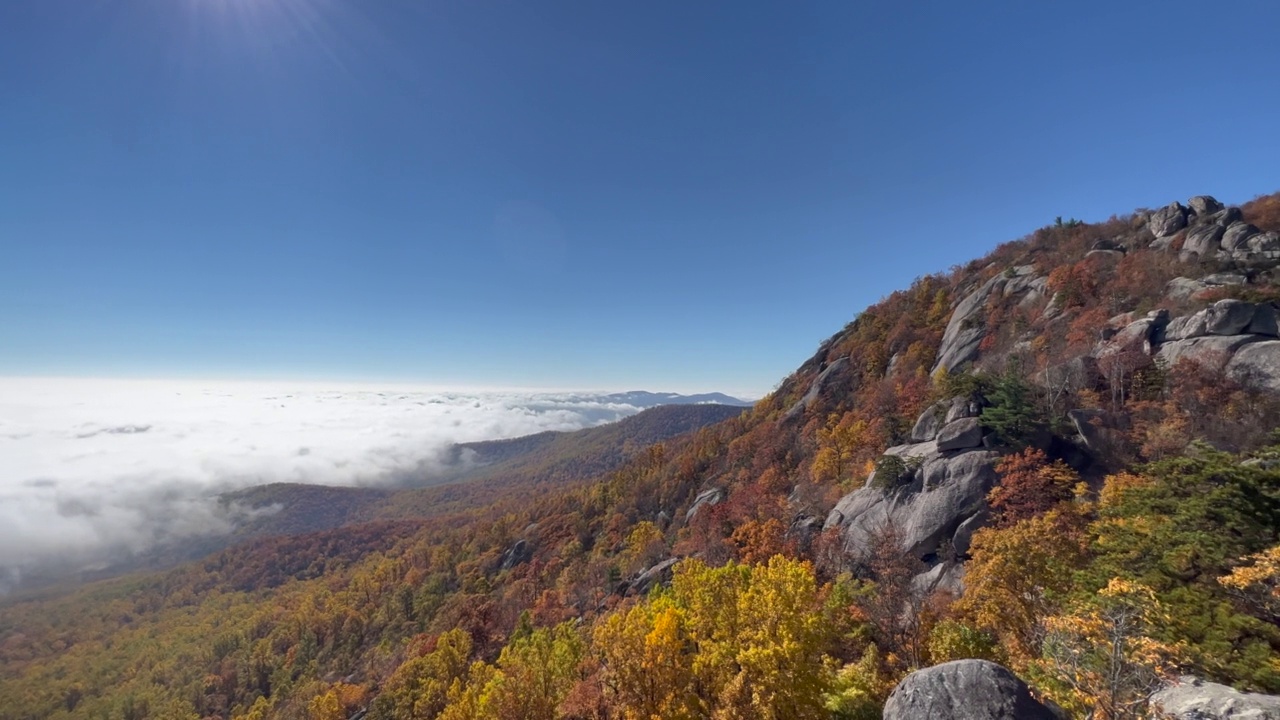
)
(782, 562)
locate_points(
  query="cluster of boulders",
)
(942, 497)
(1191, 698)
(1237, 337)
(938, 502)
(982, 690)
(1210, 230)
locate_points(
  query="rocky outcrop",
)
(1137, 336)
(1257, 365)
(1167, 220)
(1182, 288)
(646, 579)
(966, 328)
(1225, 317)
(929, 423)
(945, 577)
(941, 414)
(945, 490)
(816, 387)
(1194, 699)
(520, 552)
(964, 690)
(706, 498)
(1211, 352)
(960, 435)
(1212, 231)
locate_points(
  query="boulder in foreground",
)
(1194, 699)
(964, 690)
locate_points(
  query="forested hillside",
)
(1061, 457)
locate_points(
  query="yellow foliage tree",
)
(736, 641)
(1102, 659)
(647, 667)
(1015, 578)
(1257, 583)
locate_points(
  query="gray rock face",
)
(1212, 352)
(1203, 239)
(815, 388)
(706, 498)
(928, 424)
(1136, 336)
(1203, 205)
(1225, 317)
(1222, 279)
(1264, 322)
(964, 690)
(1229, 317)
(1036, 290)
(965, 329)
(645, 579)
(940, 414)
(960, 434)
(1237, 235)
(1186, 327)
(962, 407)
(1194, 699)
(961, 541)
(1182, 288)
(1264, 242)
(1167, 220)
(946, 490)
(945, 576)
(1257, 365)
(519, 553)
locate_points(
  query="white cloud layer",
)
(96, 467)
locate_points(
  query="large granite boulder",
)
(1225, 317)
(1213, 352)
(941, 414)
(943, 491)
(1236, 236)
(964, 690)
(1194, 699)
(519, 553)
(929, 423)
(1203, 240)
(1167, 220)
(1257, 364)
(960, 435)
(1264, 242)
(1204, 205)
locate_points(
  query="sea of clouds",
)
(91, 469)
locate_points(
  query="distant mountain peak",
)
(646, 399)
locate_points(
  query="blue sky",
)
(667, 195)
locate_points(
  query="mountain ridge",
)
(925, 449)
